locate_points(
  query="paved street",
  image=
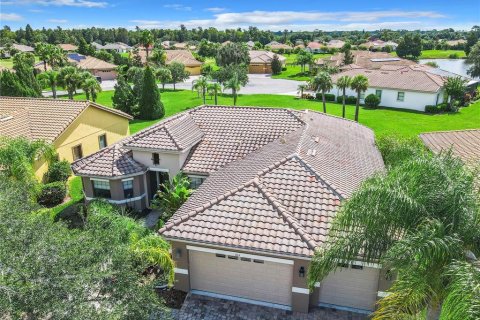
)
(258, 84)
(198, 307)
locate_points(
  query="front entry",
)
(157, 178)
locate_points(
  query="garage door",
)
(239, 276)
(351, 287)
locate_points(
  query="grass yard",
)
(7, 63)
(382, 120)
(439, 54)
(293, 71)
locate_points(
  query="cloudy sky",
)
(272, 15)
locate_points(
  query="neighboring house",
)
(365, 59)
(67, 47)
(75, 128)
(269, 182)
(23, 48)
(456, 43)
(380, 44)
(274, 45)
(192, 65)
(405, 88)
(96, 45)
(314, 47)
(99, 68)
(166, 44)
(464, 144)
(335, 44)
(180, 46)
(261, 61)
(250, 44)
(119, 47)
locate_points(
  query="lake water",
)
(458, 66)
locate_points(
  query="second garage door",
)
(351, 287)
(241, 276)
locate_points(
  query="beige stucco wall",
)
(194, 71)
(85, 130)
(170, 162)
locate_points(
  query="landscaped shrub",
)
(58, 171)
(52, 194)
(453, 56)
(372, 101)
(351, 100)
(329, 97)
(431, 109)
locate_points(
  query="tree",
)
(226, 73)
(455, 88)
(429, 240)
(172, 194)
(164, 76)
(104, 55)
(201, 85)
(276, 65)
(343, 83)
(474, 60)
(23, 64)
(214, 88)
(85, 48)
(11, 85)
(69, 78)
(233, 54)
(158, 57)
(359, 84)
(347, 54)
(149, 104)
(89, 85)
(233, 84)
(178, 72)
(146, 40)
(42, 50)
(322, 83)
(410, 46)
(304, 58)
(123, 98)
(49, 79)
(472, 38)
(301, 88)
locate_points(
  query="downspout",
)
(147, 192)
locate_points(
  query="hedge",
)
(52, 194)
(58, 171)
(372, 101)
(328, 96)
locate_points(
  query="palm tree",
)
(455, 88)
(158, 57)
(49, 79)
(215, 88)
(69, 78)
(42, 50)
(146, 39)
(234, 84)
(343, 83)
(359, 84)
(90, 85)
(301, 88)
(428, 239)
(323, 83)
(201, 85)
(56, 57)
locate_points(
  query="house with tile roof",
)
(261, 61)
(74, 128)
(315, 47)
(274, 46)
(99, 68)
(67, 47)
(182, 56)
(118, 47)
(268, 183)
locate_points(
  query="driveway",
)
(257, 84)
(197, 307)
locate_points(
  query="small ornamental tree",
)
(372, 100)
(164, 76)
(276, 65)
(149, 104)
(179, 74)
(123, 98)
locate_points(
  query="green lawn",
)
(294, 72)
(382, 120)
(75, 192)
(7, 63)
(439, 54)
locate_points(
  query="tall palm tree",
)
(201, 85)
(343, 83)
(49, 79)
(301, 88)
(215, 88)
(56, 57)
(359, 84)
(158, 57)
(322, 83)
(90, 85)
(234, 84)
(42, 50)
(69, 78)
(430, 240)
(146, 39)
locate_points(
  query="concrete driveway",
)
(257, 84)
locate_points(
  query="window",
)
(127, 188)
(156, 158)
(258, 261)
(246, 259)
(233, 257)
(195, 182)
(400, 96)
(378, 93)
(101, 189)
(218, 255)
(102, 141)
(356, 266)
(77, 152)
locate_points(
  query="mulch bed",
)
(173, 298)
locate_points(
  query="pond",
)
(458, 66)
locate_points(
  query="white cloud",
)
(10, 17)
(58, 20)
(177, 6)
(60, 3)
(35, 10)
(215, 9)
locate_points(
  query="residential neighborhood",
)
(239, 161)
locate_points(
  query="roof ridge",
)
(171, 137)
(338, 117)
(286, 215)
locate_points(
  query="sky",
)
(297, 15)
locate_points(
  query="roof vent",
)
(312, 152)
(5, 117)
(317, 139)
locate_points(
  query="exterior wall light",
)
(178, 253)
(301, 272)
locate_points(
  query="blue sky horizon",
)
(300, 15)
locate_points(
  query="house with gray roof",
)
(268, 182)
